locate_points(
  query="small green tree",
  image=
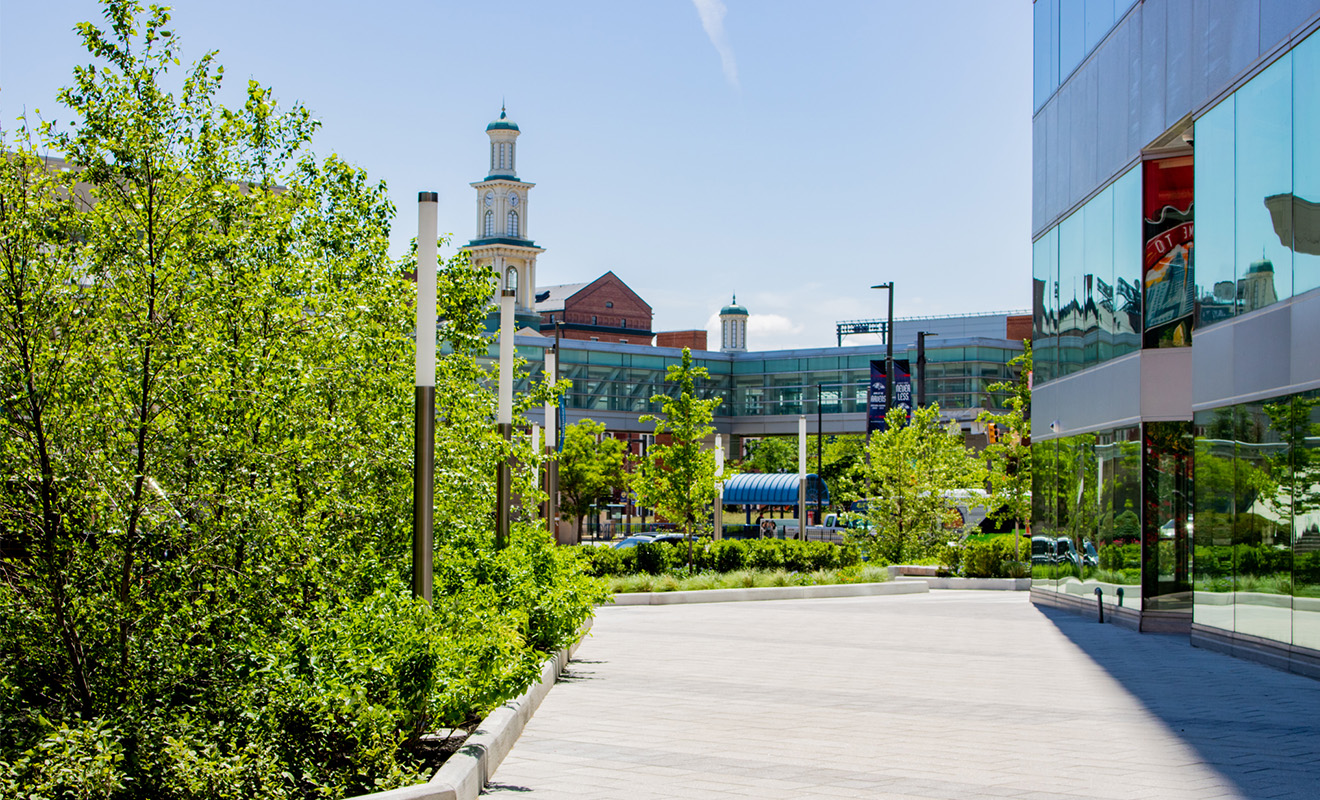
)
(590, 467)
(913, 465)
(844, 467)
(678, 479)
(1009, 456)
(772, 454)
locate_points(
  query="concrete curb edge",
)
(464, 774)
(769, 593)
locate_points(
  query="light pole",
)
(504, 411)
(550, 376)
(424, 399)
(889, 347)
(802, 477)
(719, 487)
(921, 367)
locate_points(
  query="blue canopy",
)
(773, 489)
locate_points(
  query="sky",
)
(794, 154)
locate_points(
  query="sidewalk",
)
(951, 695)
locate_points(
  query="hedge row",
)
(726, 555)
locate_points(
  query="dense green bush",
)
(994, 558)
(726, 555)
(206, 459)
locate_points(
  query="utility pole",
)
(889, 347)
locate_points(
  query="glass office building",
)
(1176, 286)
(762, 393)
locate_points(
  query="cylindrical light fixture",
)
(551, 408)
(424, 398)
(802, 476)
(719, 487)
(551, 443)
(504, 413)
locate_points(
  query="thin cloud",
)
(712, 20)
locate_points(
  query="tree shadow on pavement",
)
(1257, 726)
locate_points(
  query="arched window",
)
(512, 228)
(489, 230)
(492, 156)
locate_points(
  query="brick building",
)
(604, 310)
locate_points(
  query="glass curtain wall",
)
(1086, 276)
(1167, 491)
(1064, 32)
(1258, 190)
(1257, 532)
(1086, 496)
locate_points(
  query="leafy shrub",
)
(994, 558)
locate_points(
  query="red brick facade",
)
(605, 310)
(693, 340)
(1018, 327)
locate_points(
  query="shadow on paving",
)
(1258, 726)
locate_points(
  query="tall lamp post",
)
(551, 442)
(802, 477)
(504, 411)
(889, 347)
(424, 399)
(719, 487)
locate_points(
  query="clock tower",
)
(502, 242)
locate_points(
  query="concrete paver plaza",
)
(945, 695)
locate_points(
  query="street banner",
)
(875, 405)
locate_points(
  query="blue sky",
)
(793, 153)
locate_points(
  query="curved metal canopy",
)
(773, 489)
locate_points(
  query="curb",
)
(465, 773)
(990, 584)
(769, 593)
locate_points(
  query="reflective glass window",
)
(1099, 19)
(1167, 485)
(1212, 536)
(1044, 282)
(1304, 440)
(1044, 461)
(1306, 165)
(1120, 555)
(1216, 280)
(1264, 186)
(1072, 35)
(1045, 67)
(1262, 530)
(1127, 322)
(1072, 258)
(1098, 279)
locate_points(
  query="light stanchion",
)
(802, 477)
(719, 487)
(550, 375)
(424, 399)
(504, 414)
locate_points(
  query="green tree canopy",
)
(678, 479)
(772, 454)
(1010, 455)
(205, 473)
(590, 467)
(913, 465)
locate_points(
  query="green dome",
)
(503, 123)
(734, 308)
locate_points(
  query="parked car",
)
(634, 540)
(669, 537)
